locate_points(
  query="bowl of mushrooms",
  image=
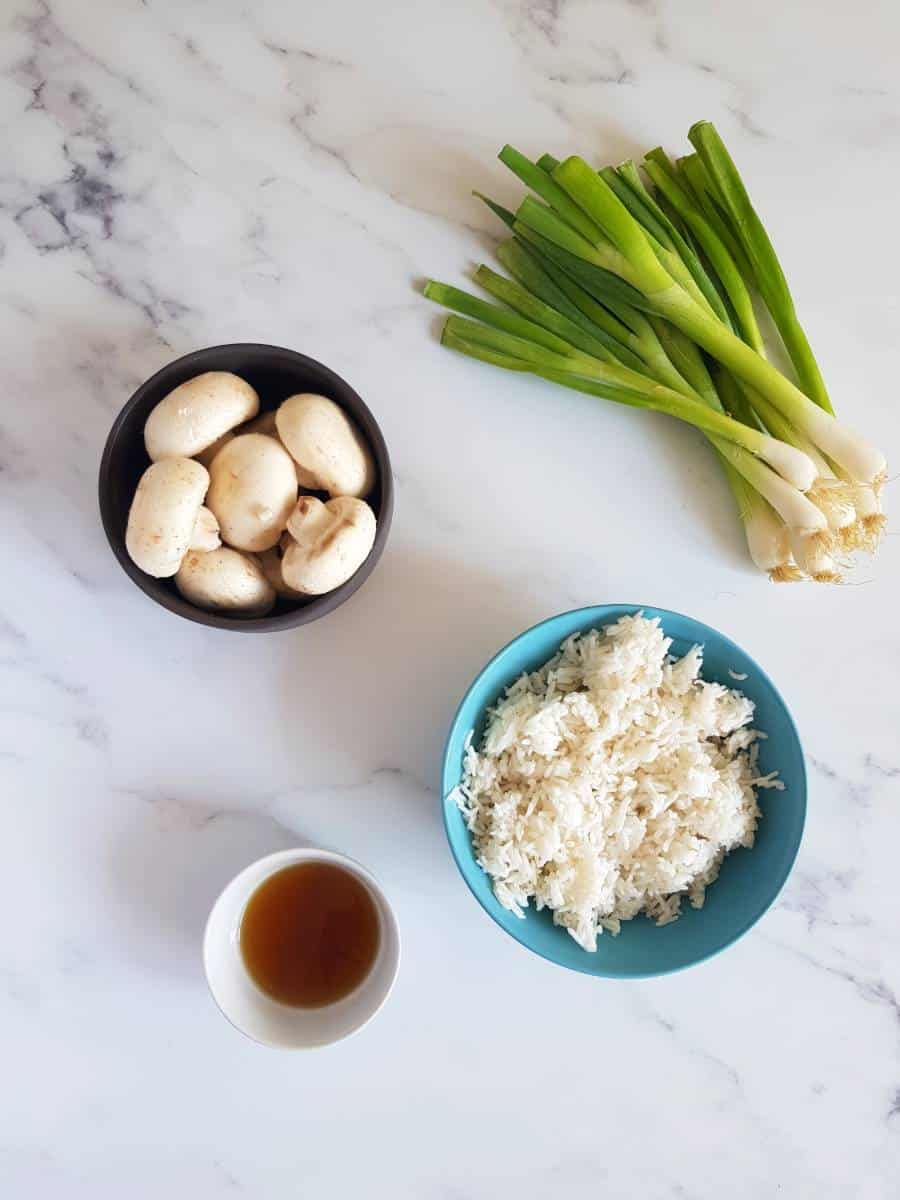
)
(246, 487)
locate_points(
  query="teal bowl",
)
(749, 881)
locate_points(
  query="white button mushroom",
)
(329, 543)
(206, 531)
(206, 456)
(270, 564)
(326, 445)
(265, 424)
(197, 413)
(252, 490)
(225, 580)
(164, 513)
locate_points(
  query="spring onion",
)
(642, 293)
(642, 270)
(728, 187)
(542, 351)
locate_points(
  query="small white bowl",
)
(259, 1016)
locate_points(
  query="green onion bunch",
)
(644, 290)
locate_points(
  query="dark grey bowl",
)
(276, 374)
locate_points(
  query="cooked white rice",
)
(612, 781)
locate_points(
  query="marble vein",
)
(178, 174)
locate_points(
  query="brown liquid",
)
(310, 934)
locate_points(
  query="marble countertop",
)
(175, 175)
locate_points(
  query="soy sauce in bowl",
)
(310, 934)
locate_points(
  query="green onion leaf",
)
(495, 316)
(770, 278)
(539, 181)
(603, 285)
(525, 266)
(585, 186)
(534, 309)
(630, 183)
(714, 248)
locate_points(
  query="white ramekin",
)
(259, 1016)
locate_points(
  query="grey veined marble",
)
(174, 175)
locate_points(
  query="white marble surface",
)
(177, 174)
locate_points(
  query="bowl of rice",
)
(624, 790)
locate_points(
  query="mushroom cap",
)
(206, 456)
(163, 515)
(253, 488)
(265, 423)
(206, 531)
(270, 565)
(225, 580)
(328, 543)
(197, 413)
(326, 444)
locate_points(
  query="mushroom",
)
(225, 580)
(329, 543)
(270, 564)
(164, 514)
(206, 531)
(252, 490)
(197, 413)
(206, 456)
(265, 424)
(326, 445)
